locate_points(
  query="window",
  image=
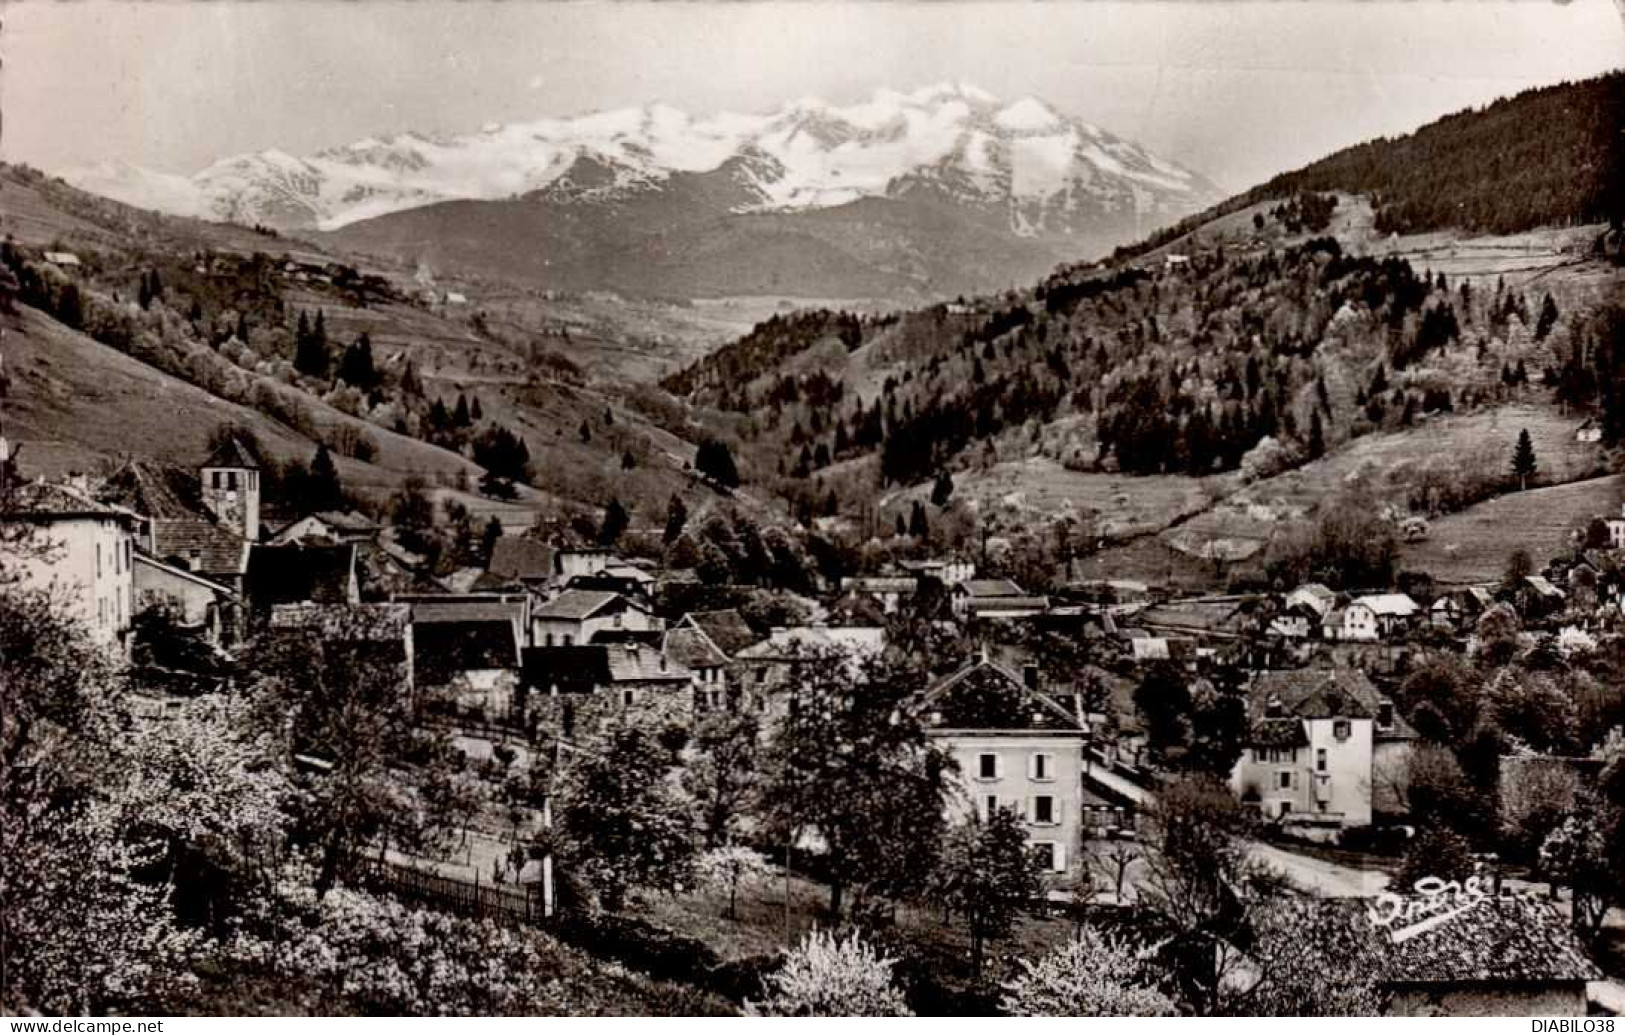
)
(231, 480)
(987, 767)
(1043, 766)
(1320, 760)
(1385, 715)
(1342, 728)
(1284, 779)
(1043, 809)
(628, 697)
(569, 640)
(98, 560)
(1049, 855)
(550, 639)
(214, 479)
(1044, 854)
(992, 806)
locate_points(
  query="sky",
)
(1237, 91)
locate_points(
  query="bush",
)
(1093, 976)
(828, 976)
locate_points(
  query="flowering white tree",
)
(1092, 976)
(87, 927)
(830, 976)
(728, 868)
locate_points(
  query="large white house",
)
(62, 541)
(1018, 748)
(1322, 750)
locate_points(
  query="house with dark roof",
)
(1482, 955)
(576, 616)
(1017, 748)
(469, 650)
(520, 560)
(689, 646)
(301, 574)
(1324, 749)
(577, 691)
(726, 629)
(963, 594)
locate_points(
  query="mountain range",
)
(940, 190)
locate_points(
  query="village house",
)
(1537, 598)
(301, 574)
(521, 561)
(690, 647)
(1017, 748)
(1393, 613)
(577, 691)
(329, 527)
(1589, 431)
(1458, 607)
(888, 590)
(963, 593)
(767, 668)
(195, 603)
(62, 540)
(628, 580)
(1322, 751)
(1489, 956)
(469, 647)
(948, 571)
(577, 617)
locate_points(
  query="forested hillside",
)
(1553, 156)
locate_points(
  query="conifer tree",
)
(1523, 459)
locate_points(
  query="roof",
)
(232, 453)
(373, 621)
(1314, 595)
(201, 544)
(1278, 733)
(989, 588)
(291, 574)
(160, 491)
(582, 669)
(1009, 603)
(516, 557)
(1515, 939)
(443, 649)
(434, 612)
(690, 646)
(1540, 584)
(985, 695)
(574, 605)
(142, 557)
(880, 584)
(347, 520)
(1314, 693)
(55, 500)
(727, 629)
(1392, 605)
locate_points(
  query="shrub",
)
(828, 976)
(1093, 976)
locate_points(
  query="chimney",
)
(1029, 676)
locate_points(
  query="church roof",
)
(232, 453)
(154, 490)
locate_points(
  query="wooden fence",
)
(505, 903)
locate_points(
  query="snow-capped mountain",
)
(1038, 170)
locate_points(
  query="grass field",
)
(1124, 505)
(1473, 546)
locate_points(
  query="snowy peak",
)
(1044, 170)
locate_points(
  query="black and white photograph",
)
(764, 509)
